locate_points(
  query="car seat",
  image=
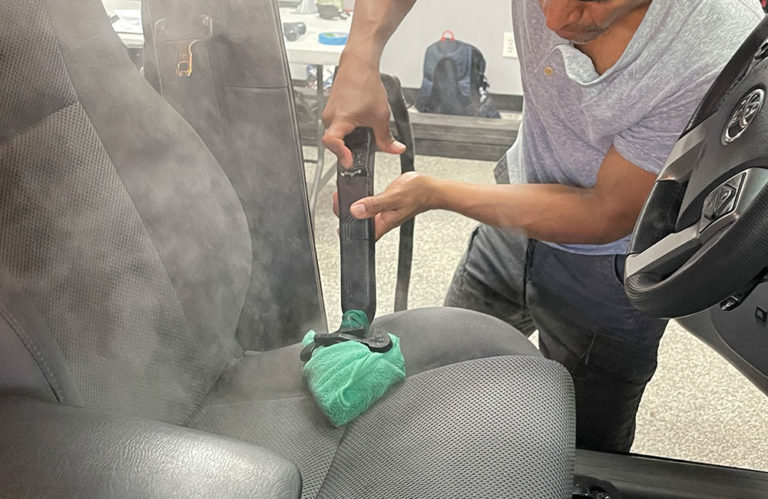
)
(125, 262)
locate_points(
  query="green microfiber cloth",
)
(346, 378)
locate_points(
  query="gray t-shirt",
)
(640, 105)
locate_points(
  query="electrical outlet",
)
(509, 49)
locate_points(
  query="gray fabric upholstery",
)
(429, 338)
(141, 282)
(31, 360)
(22, 373)
(438, 336)
(126, 262)
(186, 202)
(239, 101)
(51, 450)
(278, 412)
(492, 427)
(29, 50)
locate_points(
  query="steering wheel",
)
(702, 235)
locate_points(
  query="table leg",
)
(317, 184)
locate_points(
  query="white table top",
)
(128, 27)
(306, 50)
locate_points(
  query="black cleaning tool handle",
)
(357, 237)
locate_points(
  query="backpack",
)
(454, 80)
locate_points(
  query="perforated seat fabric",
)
(124, 234)
(493, 427)
(129, 249)
(490, 427)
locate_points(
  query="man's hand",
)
(406, 197)
(357, 99)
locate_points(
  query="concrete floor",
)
(697, 407)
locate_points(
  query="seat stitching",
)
(242, 402)
(333, 460)
(34, 125)
(33, 349)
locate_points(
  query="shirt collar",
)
(578, 65)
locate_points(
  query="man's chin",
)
(583, 41)
(580, 38)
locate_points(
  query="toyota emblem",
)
(743, 115)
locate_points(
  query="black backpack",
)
(454, 80)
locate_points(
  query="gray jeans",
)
(585, 322)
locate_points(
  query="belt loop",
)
(528, 260)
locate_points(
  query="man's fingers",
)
(333, 139)
(382, 226)
(371, 206)
(337, 147)
(385, 142)
(367, 207)
(382, 208)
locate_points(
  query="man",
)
(608, 86)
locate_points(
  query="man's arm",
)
(358, 97)
(550, 212)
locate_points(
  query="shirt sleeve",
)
(649, 141)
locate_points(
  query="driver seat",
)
(125, 262)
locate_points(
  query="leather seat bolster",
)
(47, 450)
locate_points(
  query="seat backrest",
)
(118, 228)
(238, 97)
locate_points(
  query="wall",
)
(481, 23)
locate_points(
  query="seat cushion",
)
(480, 414)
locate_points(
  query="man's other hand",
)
(407, 196)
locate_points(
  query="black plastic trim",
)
(635, 476)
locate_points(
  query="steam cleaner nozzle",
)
(347, 377)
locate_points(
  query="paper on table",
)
(128, 21)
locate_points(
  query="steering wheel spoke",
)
(686, 154)
(722, 207)
(667, 255)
